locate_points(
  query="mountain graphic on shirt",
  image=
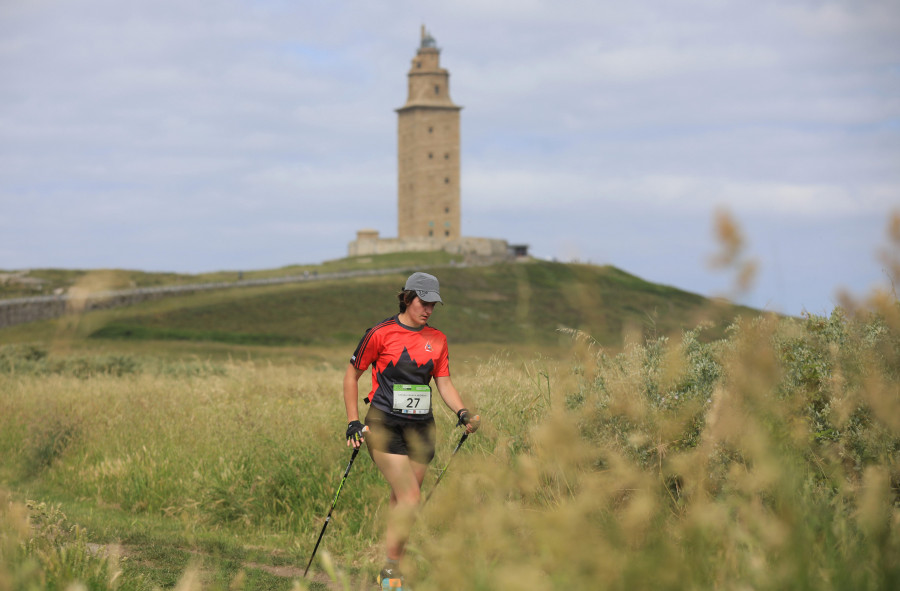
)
(405, 371)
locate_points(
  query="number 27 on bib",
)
(412, 400)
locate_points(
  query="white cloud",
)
(494, 191)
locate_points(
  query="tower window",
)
(431, 232)
(418, 64)
(446, 210)
(430, 129)
(437, 89)
(446, 180)
(430, 155)
(447, 233)
(447, 156)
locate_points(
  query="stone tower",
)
(428, 195)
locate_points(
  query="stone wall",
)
(21, 310)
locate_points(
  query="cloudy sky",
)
(245, 134)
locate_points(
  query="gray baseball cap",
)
(426, 287)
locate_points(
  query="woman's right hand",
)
(355, 431)
(471, 423)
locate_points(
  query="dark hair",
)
(405, 298)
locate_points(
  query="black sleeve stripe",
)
(359, 348)
(364, 342)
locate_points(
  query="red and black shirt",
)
(401, 355)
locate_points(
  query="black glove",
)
(466, 419)
(354, 431)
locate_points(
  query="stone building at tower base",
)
(368, 242)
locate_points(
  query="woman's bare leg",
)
(405, 477)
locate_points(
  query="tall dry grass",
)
(766, 461)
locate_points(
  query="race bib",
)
(412, 400)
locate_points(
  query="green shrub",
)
(48, 440)
(37, 361)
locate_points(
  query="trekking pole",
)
(441, 475)
(333, 503)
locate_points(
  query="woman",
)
(405, 354)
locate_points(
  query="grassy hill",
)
(523, 303)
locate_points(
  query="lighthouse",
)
(428, 175)
(428, 187)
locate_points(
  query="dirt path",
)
(284, 571)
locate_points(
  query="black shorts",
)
(397, 435)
